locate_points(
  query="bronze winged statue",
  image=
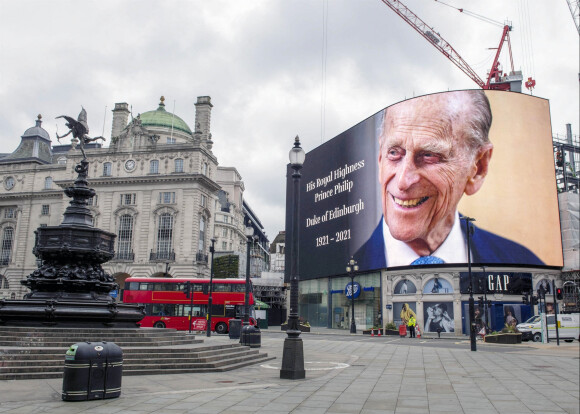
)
(79, 129)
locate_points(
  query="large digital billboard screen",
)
(394, 190)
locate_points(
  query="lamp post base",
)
(293, 359)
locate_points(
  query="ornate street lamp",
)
(209, 301)
(293, 355)
(351, 269)
(249, 232)
(469, 231)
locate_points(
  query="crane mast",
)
(494, 80)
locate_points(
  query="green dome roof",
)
(162, 118)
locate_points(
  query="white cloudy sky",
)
(262, 62)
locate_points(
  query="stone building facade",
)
(158, 187)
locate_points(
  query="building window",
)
(167, 197)
(48, 183)
(204, 168)
(179, 165)
(164, 236)
(154, 167)
(4, 283)
(61, 160)
(224, 232)
(92, 201)
(44, 225)
(9, 213)
(224, 246)
(45, 211)
(128, 199)
(7, 239)
(107, 169)
(170, 140)
(203, 200)
(201, 242)
(125, 248)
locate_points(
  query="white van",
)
(568, 328)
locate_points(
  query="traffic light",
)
(480, 301)
(205, 289)
(489, 303)
(525, 300)
(187, 290)
(534, 300)
(559, 294)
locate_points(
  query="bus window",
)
(145, 286)
(198, 310)
(238, 288)
(222, 287)
(163, 286)
(132, 286)
(217, 310)
(230, 311)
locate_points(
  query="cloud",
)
(262, 64)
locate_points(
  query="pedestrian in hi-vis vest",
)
(411, 324)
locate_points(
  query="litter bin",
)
(402, 330)
(235, 328)
(92, 371)
(251, 336)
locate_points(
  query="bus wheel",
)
(221, 328)
(159, 324)
(537, 337)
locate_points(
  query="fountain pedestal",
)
(70, 287)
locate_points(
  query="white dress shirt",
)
(453, 249)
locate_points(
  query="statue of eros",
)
(79, 129)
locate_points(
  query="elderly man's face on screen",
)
(426, 165)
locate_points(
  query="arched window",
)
(107, 169)
(125, 238)
(48, 183)
(165, 237)
(7, 240)
(201, 242)
(154, 167)
(405, 287)
(438, 285)
(179, 165)
(61, 160)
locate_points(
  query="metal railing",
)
(161, 255)
(201, 257)
(129, 256)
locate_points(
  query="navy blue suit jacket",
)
(486, 248)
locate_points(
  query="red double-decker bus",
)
(166, 305)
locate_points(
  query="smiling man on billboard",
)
(433, 150)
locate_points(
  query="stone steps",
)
(35, 353)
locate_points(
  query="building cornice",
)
(31, 195)
(147, 179)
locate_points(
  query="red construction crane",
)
(496, 78)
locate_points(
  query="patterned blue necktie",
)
(426, 260)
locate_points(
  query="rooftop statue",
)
(79, 129)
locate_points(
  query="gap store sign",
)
(508, 283)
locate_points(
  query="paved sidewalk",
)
(345, 374)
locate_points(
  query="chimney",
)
(120, 118)
(202, 118)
